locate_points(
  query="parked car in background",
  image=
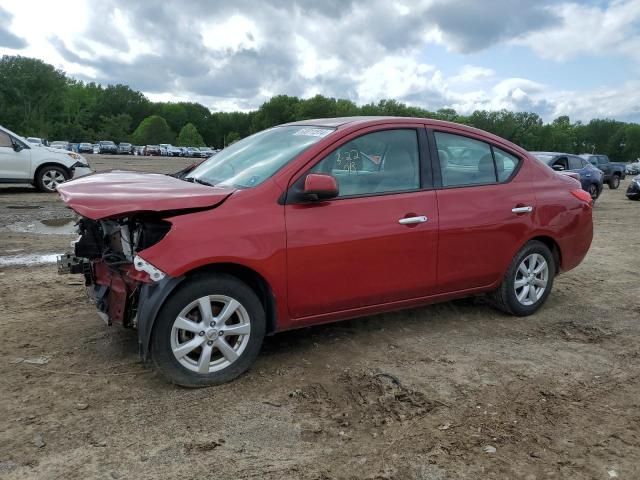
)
(206, 152)
(61, 145)
(633, 168)
(152, 150)
(591, 178)
(125, 148)
(174, 151)
(633, 191)
(318, 221)
(107, 146)
(85, 147)
(613, 172)
(193, 152)
(35, 141)
(43, 167)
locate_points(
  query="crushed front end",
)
(106, 255)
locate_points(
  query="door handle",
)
(412, 220)
(522, 209)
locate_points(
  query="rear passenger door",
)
(485, 205)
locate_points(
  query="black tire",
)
(190, 291)
(614, 182)
(49, 177)
(504, 298)
(594, 191)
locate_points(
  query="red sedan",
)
(319, 221)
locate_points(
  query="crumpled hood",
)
(117, 193)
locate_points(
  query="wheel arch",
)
(51, 163)
(554, 247)
(253, 279)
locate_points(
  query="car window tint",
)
(602, 160)
(5, 140)
(562, 162)
(464, 161)
(575, 163)
(505, 164)
(379, 162)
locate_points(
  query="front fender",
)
(152, 297)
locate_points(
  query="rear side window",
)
(464, 161)
(5, 140)
(506, 164)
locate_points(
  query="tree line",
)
(39, 100)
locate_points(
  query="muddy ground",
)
(450, 391)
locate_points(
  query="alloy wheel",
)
(51, 179)
(532, 277)
(210, 333)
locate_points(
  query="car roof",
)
(555, 154)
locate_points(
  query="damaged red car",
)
(319, 221)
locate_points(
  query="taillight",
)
(582, 195)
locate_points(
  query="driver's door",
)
(376, 243)
(13, 165)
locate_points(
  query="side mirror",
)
(558, 168)
(320, 187)
(17, 146)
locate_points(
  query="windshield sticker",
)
(313, 132)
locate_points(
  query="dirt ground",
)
(456, 390)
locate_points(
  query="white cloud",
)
(589, 30)
(472, 73)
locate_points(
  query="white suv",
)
(44, 167)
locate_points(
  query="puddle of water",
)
(27, 260)
(54, 226)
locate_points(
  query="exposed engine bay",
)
(105, 253)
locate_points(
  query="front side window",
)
(464, 161)
(252, 160)
(561, 162)
(379, 162)
(5, 140)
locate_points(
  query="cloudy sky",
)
(580, 58)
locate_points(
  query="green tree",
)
(190, 137)
(115, 127)
(31, 95)
(153, 130)
(231, 138)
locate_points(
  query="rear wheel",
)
(528, 281)
(593, 191)
(614, 182)
(209, 332)
(48, 178)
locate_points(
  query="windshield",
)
(251, 161)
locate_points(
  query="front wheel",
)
(208, 332)
(528, 281)
(48, 178)
(614, 183)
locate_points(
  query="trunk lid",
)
(117, 193)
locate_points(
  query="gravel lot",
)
(450, 391)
